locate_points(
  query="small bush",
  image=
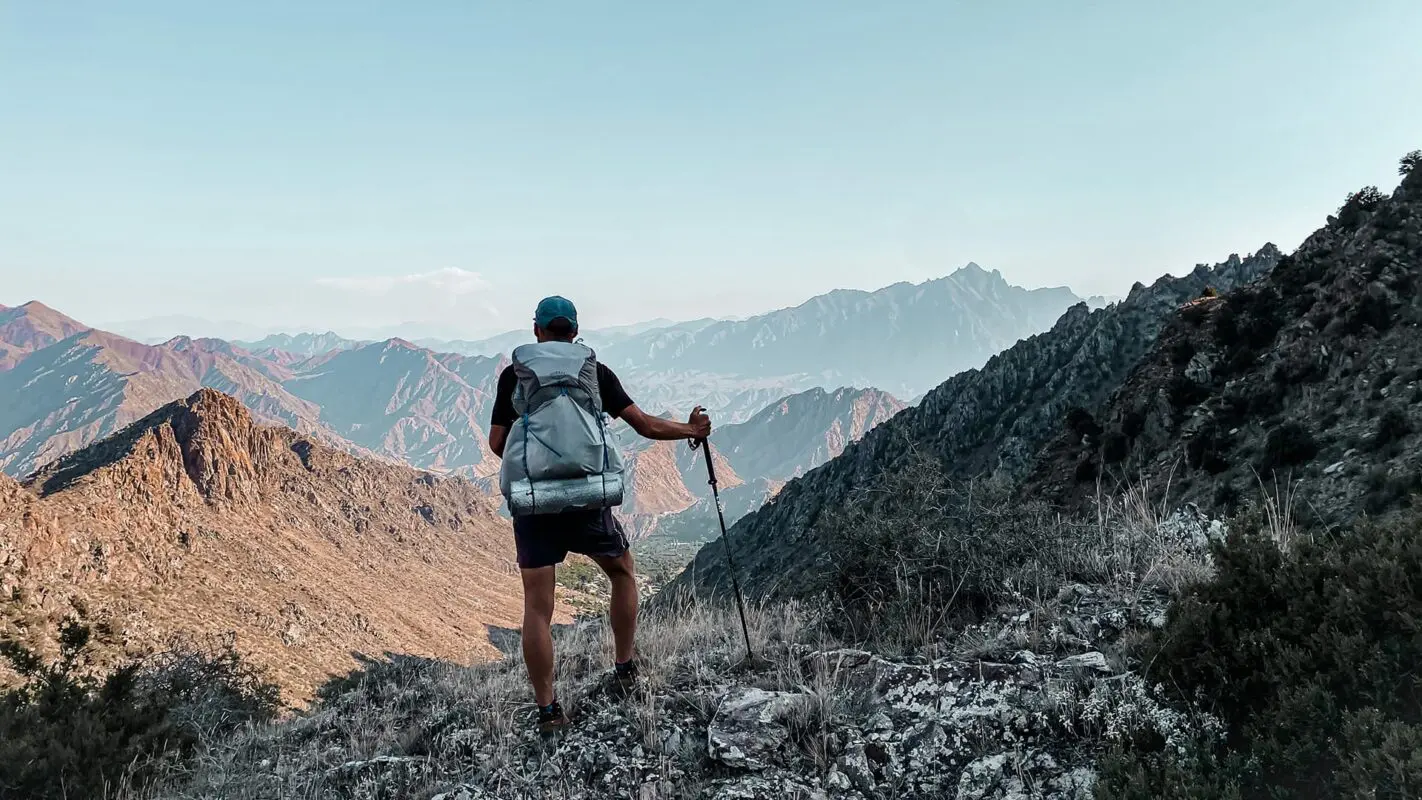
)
(1205, 451)
(66, 733)
(1393, 426)
(1372, 311)
(1365, 200)
(1087, 471)
(1181, 352)
(1185, 393)
(1288, 445)
(1080, 422)
(1115, 447)
(1133, 423)
(1309, 657)
(915, 552)
(1409, 164)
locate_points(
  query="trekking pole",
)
(705, 446)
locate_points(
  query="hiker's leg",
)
(537, 631)
(623, 574)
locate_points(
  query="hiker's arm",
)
(650, 427)
(498, 437)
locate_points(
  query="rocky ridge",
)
(1308, 381)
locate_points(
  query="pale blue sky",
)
(348, 163)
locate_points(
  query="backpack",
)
(559, 455)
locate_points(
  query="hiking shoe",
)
(627, 677)
(552, 720)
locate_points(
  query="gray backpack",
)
(559, 455)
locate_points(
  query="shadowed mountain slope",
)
(980, 421)
(1310, 378)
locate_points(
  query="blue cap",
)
(555, 307)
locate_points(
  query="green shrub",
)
(1184, 393)
(66, 733)
(1081, 423)
(914, 542)
(1365, 200)
(1115, 447)
(1181, 352)
(1087, 471)
(1288, 445)
(1133, 423)
(1309, 657)
(1205, 451)
(1393, 426)
(1409, 163)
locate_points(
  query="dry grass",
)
(919, 557)
(473, 724)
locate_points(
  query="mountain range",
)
(64, 385)
(905, 339)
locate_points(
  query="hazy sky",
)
(351, 164)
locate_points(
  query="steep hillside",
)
(1310, 379)
(402, 401)
(904, 338)
(196, 521)
(31, 327)
(755, 458)
(802, 431)
(982, 420)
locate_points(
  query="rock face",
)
(196, 521)
(983, 420)
(1310, 378)
(752, 725)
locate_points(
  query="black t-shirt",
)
(614, 397)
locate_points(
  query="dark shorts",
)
(543, 540)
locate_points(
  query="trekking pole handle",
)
(705, 446)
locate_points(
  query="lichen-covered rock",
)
(751, 726)
(1014, 776)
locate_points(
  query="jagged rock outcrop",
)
(1308, 382)
(980, 421)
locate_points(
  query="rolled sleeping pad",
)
(567, 494)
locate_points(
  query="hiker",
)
(562, 475)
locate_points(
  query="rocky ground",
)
(1017, 706)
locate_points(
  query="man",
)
(544, 540)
